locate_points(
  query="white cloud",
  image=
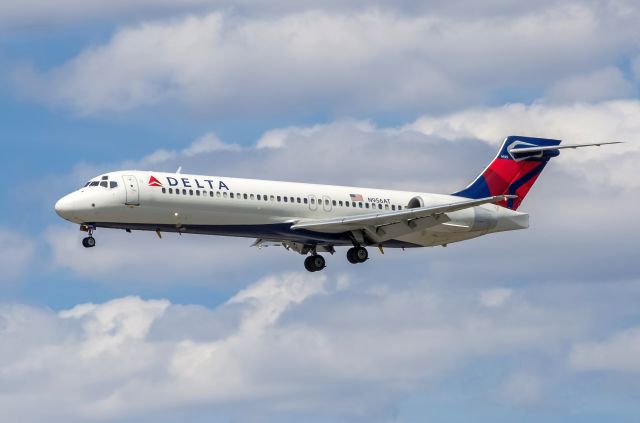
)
(605, 84)
(302, 62)
(495, 297)
(294, 343)
(17, 253)
(144, 257)
(621, 353)
(206, 144)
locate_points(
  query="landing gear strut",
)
(314, 263)
(357, 255)
(89, 241)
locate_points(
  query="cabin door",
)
(133, 192)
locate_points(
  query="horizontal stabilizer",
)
(558, 147)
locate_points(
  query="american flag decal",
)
(356, 197)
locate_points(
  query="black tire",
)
(308, 264)
(351, 256)
(361, 254)
(89, 242)
(318, 262)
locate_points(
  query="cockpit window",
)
(87, 184)
(114, 184)
(104, 184)
(94, 184)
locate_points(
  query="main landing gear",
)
(314, 263)
(89, 241)
(357, 255)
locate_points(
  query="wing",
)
(388, 225)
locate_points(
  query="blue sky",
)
(525, 326)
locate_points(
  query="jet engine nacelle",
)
(475, 219)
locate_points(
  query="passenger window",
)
(218, 194)
(334, 202)
(360, 205)
(393, 207)
(198, 192)
(299, 200)
(305, 200)
(272, 198)
(104, 184)
(245, 196)
(313, 201)
(184, 191)
(399, 207)
(164, 190)
(346, 203)
(386, 207)
(291, 199)
(326, 202)
(285, 199)
(258, 197)
(252, 196)
(366, 205)
(113, 184)
(170, 190)
(210, 193)
(224, 194)
(340, 202)
(279, 198)
(230, 194)
(380, 206)
(265, 198)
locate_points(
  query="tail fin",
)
(512, 172)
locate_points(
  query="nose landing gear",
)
(89, 241)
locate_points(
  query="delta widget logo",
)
(154, 182)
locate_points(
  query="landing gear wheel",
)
(361, 254)
(314, 263)
(351, 256)
(357, 255)
(89, 242)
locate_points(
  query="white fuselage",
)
(142, 200)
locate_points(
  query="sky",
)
(524, 326)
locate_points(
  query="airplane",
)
(310, 219)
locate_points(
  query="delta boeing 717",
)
(311, 219)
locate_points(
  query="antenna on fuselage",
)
(179, 171)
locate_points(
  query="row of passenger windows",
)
(280, 198)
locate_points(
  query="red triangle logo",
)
(153, 182)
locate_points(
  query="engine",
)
(415, 202)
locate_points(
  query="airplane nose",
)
(64, 207)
